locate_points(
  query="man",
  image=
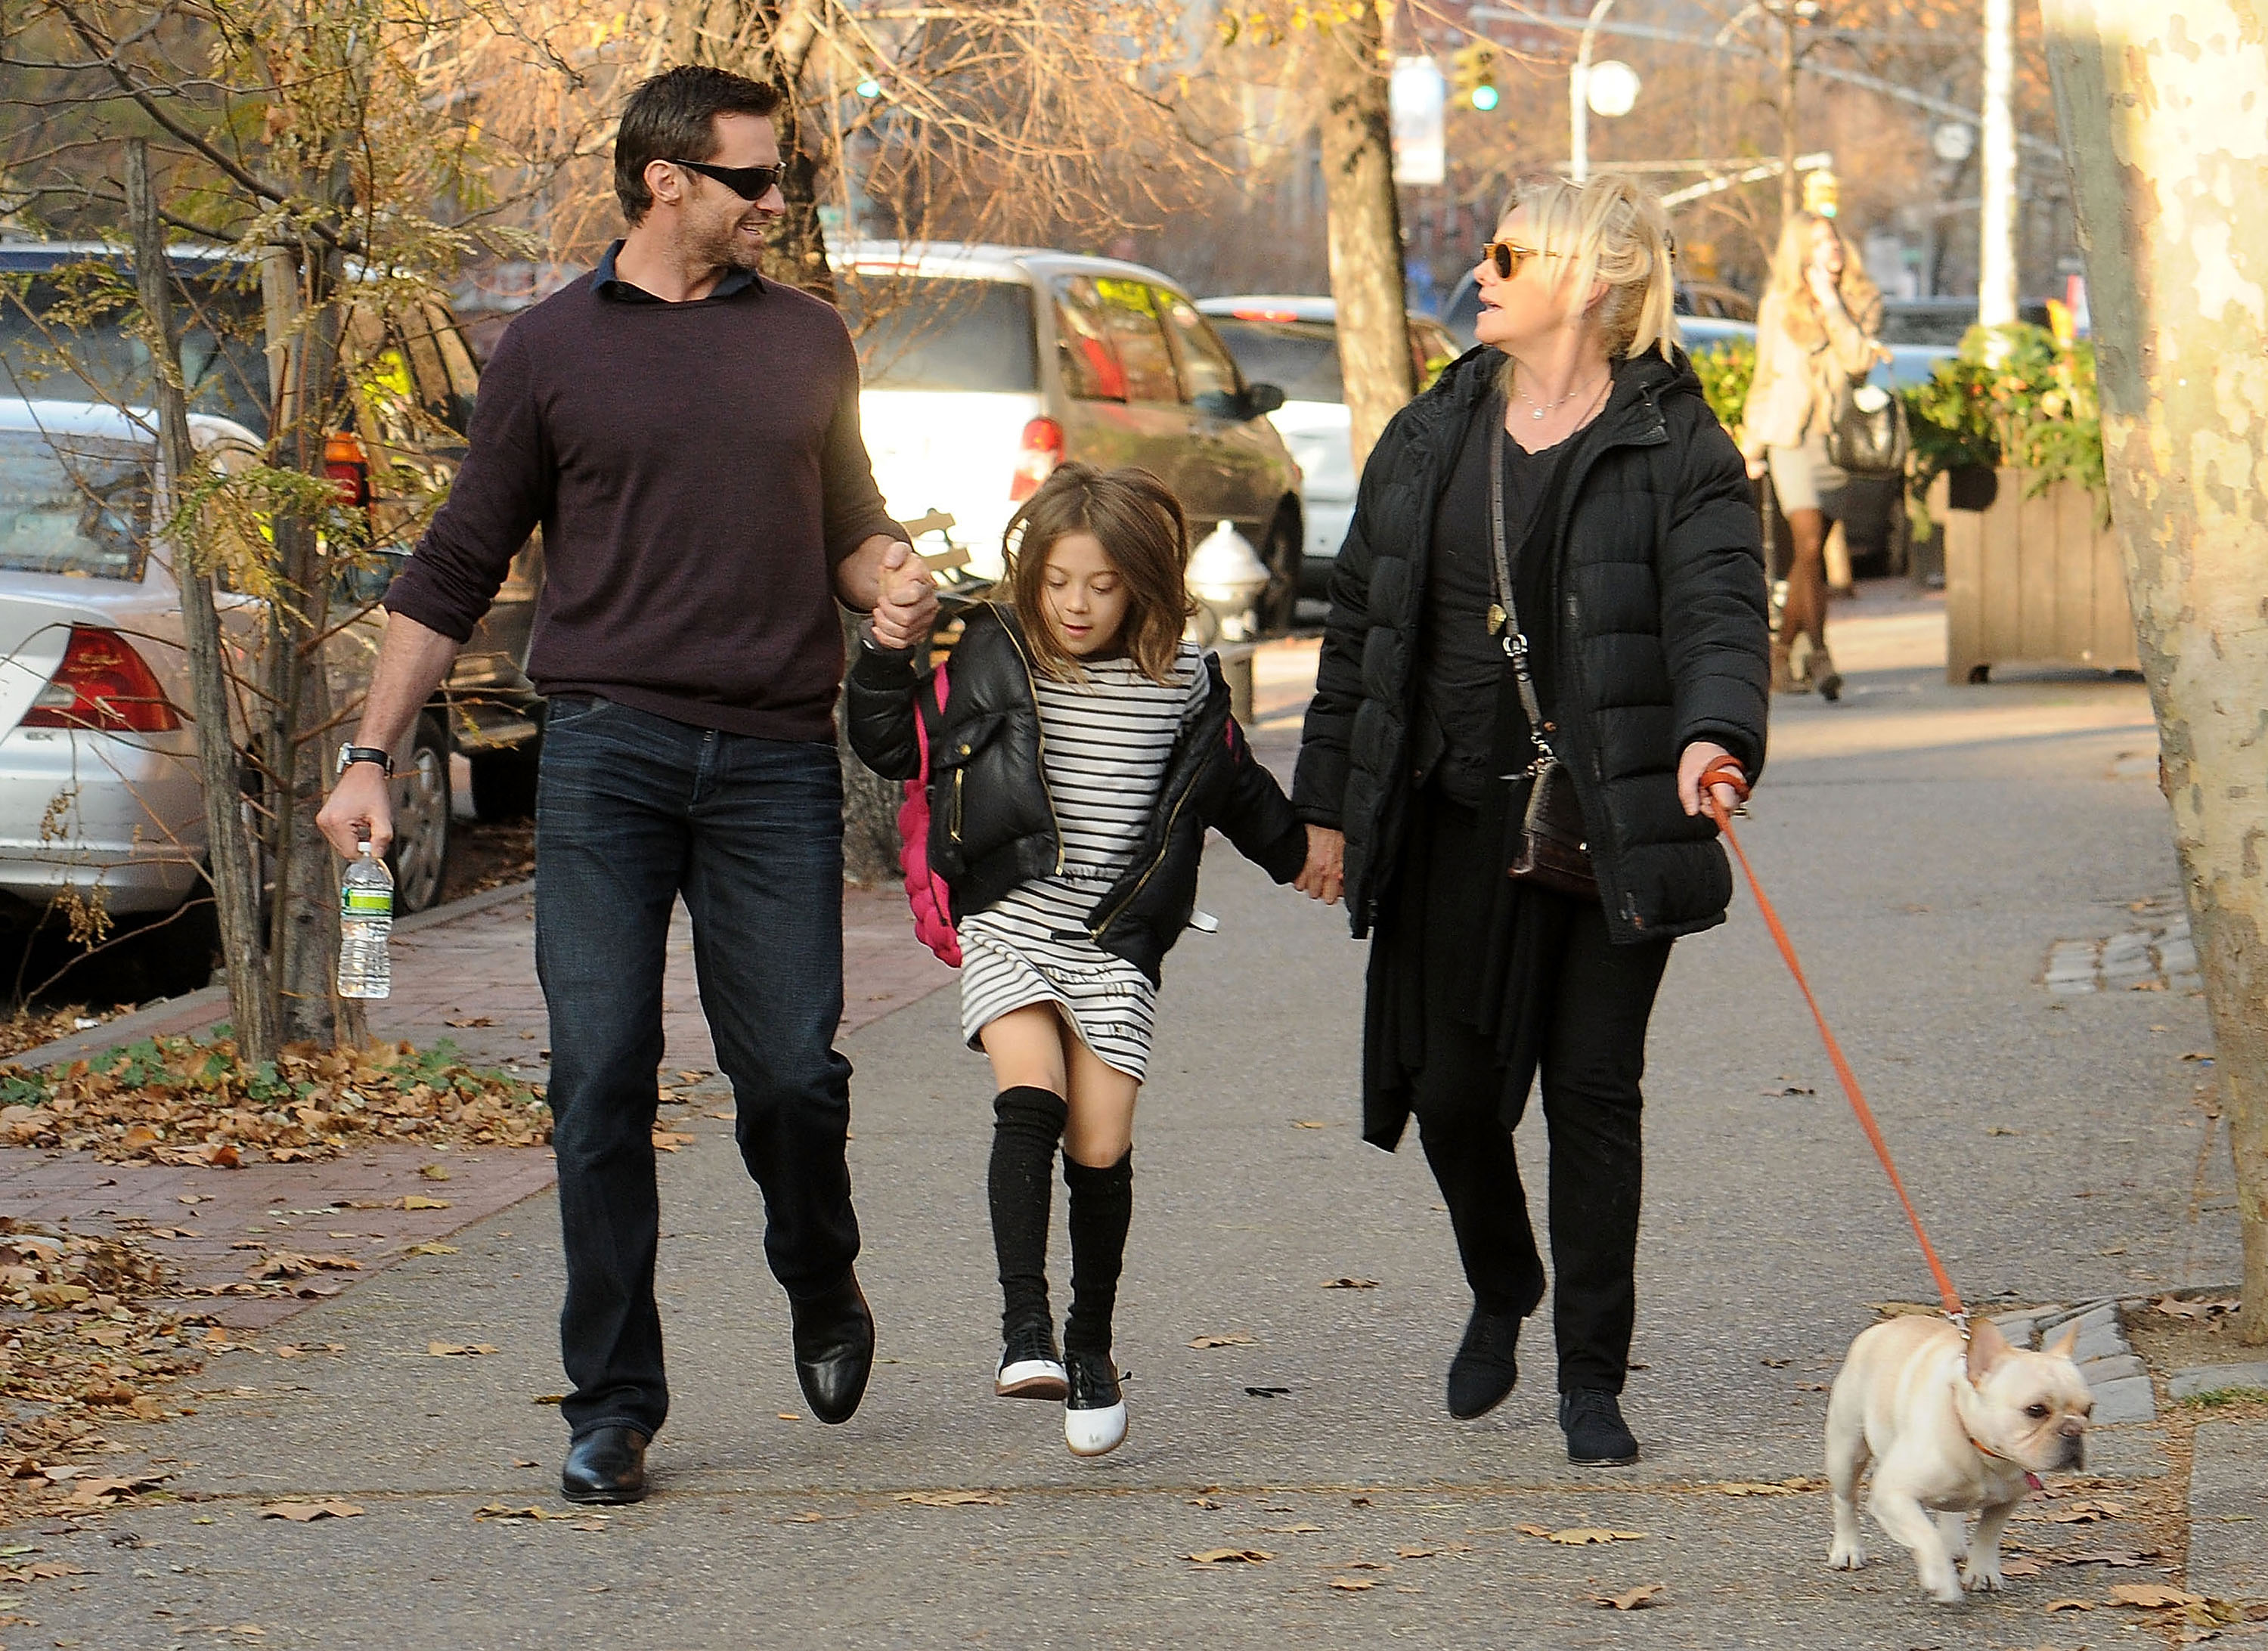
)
(687, 435)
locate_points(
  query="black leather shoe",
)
(1597, 1436)
(606, 1464)
(1485, 1367)
(834, 1338)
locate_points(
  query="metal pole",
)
(1790, 189)
(1995, 256)
(1578, 97)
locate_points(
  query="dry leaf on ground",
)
(1349, 1284)
(1234, 1338)
(2117, 1558)
(434, 1172)
(1581, 1536)
(499, 1510)
(952, 1498)
(1415, 1553)
(459, 1349)
(2153, 1595)
(2068, 1605)
(1637, 1599)
(300, 1512)
(670, 1140)
(1229, 1556)
(419, 1201)
(1351, 1584)
(1752, 1487)
(42, 1571)
(432, 1248)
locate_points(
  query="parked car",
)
(100, 789)
(422, 381)
(1293, 343)
(987, 366)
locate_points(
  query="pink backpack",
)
(926, 891)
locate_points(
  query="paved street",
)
(1929, 846)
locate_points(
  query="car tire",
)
(1279, 606)
(419, 858)
(503, 782)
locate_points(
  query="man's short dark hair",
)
(673, 117)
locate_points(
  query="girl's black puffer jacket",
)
(992, 825)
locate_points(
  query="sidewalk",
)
(1292, 1298)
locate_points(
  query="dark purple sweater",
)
(698, 472)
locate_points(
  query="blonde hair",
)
(1856, 286)
(1610, 230)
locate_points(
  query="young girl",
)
(1081, 752)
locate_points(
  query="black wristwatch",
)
(350, 755)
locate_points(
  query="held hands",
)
(907, 606)
(360, 810)
(1325, 875)
(1691, 767)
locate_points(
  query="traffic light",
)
(1822, 193)
(1475, 76)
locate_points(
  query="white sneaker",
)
(1029, 1369)
(1095, 1408)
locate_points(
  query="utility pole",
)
(1995, 256)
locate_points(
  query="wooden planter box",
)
(2028, 580)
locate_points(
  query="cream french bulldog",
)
(1951, 1431)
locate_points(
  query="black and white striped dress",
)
(1105, 743)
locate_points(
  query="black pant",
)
(1592, 1053)
(634, 811)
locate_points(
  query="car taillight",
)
(349, 468)
(104, 687)
(1037, 455)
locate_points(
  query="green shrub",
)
(2012, 396)
(1726, 370)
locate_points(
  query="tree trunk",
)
(2166, 180)
(235, 879)
(1365, 232)
(304, 935)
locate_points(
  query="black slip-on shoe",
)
(833, 1339)
(606, 1464)
(1030, 1366)
(1486, 1366)
(1597, 1436)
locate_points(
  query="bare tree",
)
(2167, 179)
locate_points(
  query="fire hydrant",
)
(1226, 576)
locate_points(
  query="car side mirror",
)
(1220, 404)
(1261, 399)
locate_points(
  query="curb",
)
(2120, 1381)
(194, 1011)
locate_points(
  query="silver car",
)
(101, 798)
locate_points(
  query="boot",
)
(1784, 679)
(1824, 676)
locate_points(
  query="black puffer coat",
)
(993, 824)
(1659, 638)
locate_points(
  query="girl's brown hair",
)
(1139, 524)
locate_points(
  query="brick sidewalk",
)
(467, 973)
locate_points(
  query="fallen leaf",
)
(2153, 1595)
(805, 1519)
(1310, 1124)
(790, 1415)
(2117, 1558)
(300, 1512)
(474, 1020)
(2014, 1566)
(1266, 1393)
(1351, 1584)
(1203, 1501)
(1533, 1531)
(499, 1510)
(549, 1398)
(1637, 1599)
(2087, 1513)
(459, 1349)
(952, 1498)
(432, 1248)
(1349, 1284)
(1415, 1553)
(419, 1201)
(42, 1571)
(1999, 1129)
(1229, 1556)
(1234, 1338)
(1589, 1536)
(434, 1172)
(1749, 1487)
(1302, 1529)
(2067, 1604)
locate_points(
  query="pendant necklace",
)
(1548, 407)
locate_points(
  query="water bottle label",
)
(365, 903)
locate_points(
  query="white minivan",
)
(987, 366)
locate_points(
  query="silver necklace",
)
(1548, 408)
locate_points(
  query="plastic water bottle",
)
(365, 920)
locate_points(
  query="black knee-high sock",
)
(1027, 1124)
(1101, 1205)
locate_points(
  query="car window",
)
(75, 505)
(461, 379)
(1300, 357)
(1206, 365)
(1085, 354)
(936, 333)
(1130, 319)
(94, 356)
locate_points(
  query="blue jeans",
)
(632, 812)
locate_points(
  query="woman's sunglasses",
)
(750, 183)
(1509, 257)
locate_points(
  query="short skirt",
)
(1033, 948)
(1802, 478)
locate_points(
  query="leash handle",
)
(1726, 771)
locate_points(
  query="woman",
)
(1635, 575)
(1816, 334)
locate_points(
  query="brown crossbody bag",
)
(1551, 849)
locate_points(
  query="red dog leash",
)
(1726, 771)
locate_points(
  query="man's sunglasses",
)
(750, 183)
(1510, 257)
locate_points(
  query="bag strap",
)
(1506, 615)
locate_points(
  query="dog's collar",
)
(1983, 1450)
